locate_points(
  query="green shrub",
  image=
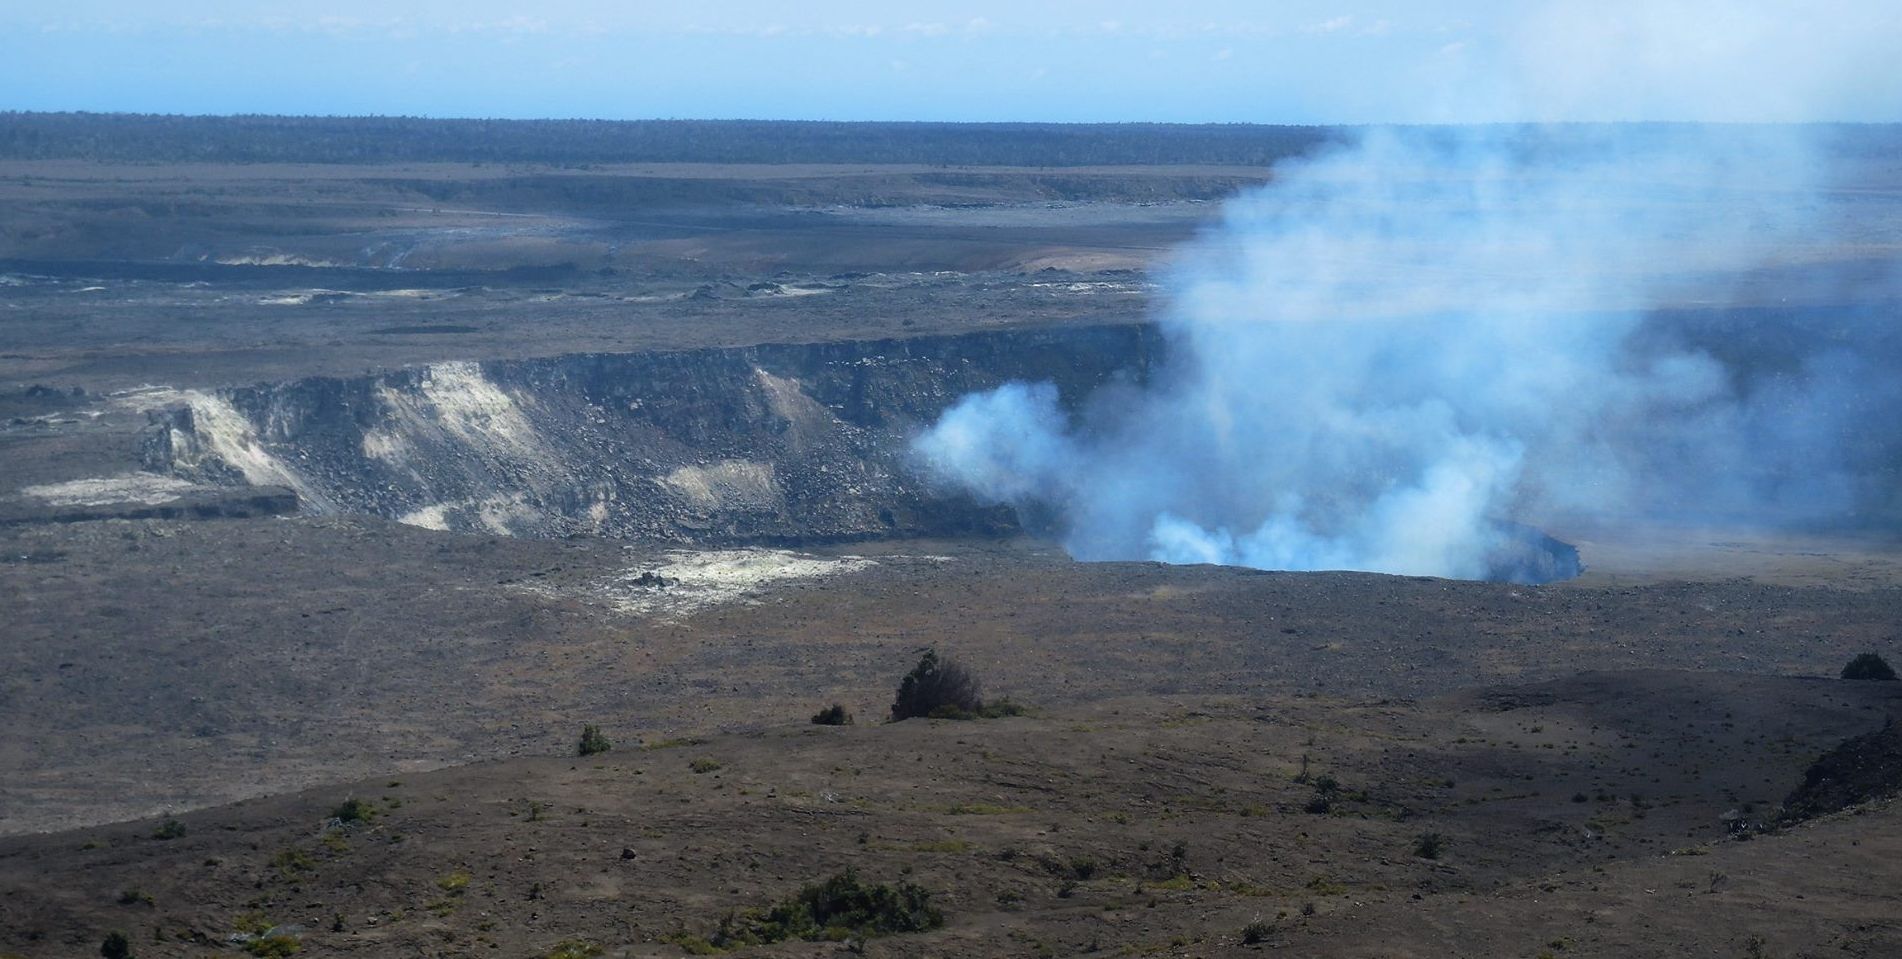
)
(574, 949)
(1327, 790)
(252, 924)
(1257, 932)
(1429, 845)
(1869, 666)
(169, 829)
(996, 710)
(937, 688)
(840, 908)
(592, 741)
(290, 862)
(353, 810)
(116, 946)
(694, 945)
(272, 947)
(1001, 709)
(833, 715)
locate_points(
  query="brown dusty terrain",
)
(1582, 783)
(158, 665)
(1582, 817)
(1595, 755)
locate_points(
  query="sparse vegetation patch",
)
(842, 907)
(574, 949)
(592, 741)
(1257, 932)
(353, 810)
(939, 688)
(1869, 666)
(833, 715)
(116, 946)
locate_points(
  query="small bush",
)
(291, 862)
(353, 810)
(1869, 666)
(272, 947)
(1429, 845)
(937, 688)
(833, 715)
(703, 765)
(1327, 790)
(592, 741)
(252, 924)
(169, 829)
(574, 949)
(1257, 932)
(694, 945)
(842, 907)
(116, 946)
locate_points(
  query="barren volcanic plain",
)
(378, 481)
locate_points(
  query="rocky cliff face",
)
(769, 444)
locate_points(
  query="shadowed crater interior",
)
(1530, 556)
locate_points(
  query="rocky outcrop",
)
(1862, 769)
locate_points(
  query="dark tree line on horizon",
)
(274, 139)
(165, 138)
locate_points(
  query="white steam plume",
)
(1399, 351)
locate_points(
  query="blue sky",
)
(1305, 61)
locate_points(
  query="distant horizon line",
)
(1338, 125)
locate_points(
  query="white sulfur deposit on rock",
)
(150, 489)
(686, 581)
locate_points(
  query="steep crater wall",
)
(777, 444)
